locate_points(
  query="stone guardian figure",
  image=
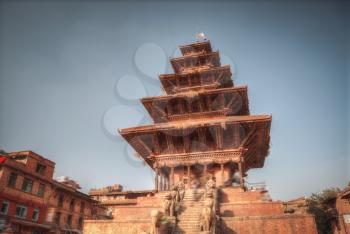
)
(154, 221)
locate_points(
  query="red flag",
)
(2, 159)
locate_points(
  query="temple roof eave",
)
(196, 44)
(200, 92)
(204, 70)
(191, 56)
(193, 123)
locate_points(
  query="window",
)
(58, 218)
(82, 207)
(21, 211)
(35, 215)
(60, 200)
(80, 222)
(12, 180)
(36, 231)
(41, 190)
(40, 168)
(5, 207)
(71, 205)
(2, 224)
(69, 220)
(27, 185)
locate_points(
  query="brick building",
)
(339, 210)
(32, 202)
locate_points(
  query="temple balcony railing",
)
(204, 114)
(182, 89)
(219, 157)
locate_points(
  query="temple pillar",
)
(161, 182)
(168, 183)
(165, 185)
(172, 177)
(241, 173)
(156, 181)
(222, 174)
(189, 175)
(205, 172)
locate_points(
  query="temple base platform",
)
(239, 212)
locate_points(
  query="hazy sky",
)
(71, 73)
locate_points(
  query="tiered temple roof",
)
(203, 118)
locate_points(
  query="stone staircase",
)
(188, 218)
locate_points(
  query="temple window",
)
(178, 143)
(196, 80)
(209, 138)
(183, 81)
(194, 140)
(215, 103)
(162, 142)
(195, 105)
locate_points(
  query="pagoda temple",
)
(201, 146)
(202, 125)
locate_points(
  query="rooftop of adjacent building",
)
(22, 157)
(21, 160)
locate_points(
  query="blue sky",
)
(71, 74)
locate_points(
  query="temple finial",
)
(201, 36)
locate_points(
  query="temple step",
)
(189, 212)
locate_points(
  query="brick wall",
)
(137, 226)
(251, 209)
(235, 194)
(286, 224)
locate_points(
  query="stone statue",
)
(210, 185)
(167, 204)
(181, 189)
(175, 198)
(208, 215)
(154, 221)
(109, 213)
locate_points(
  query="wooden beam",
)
(201, 136)
(156, 181)
(169, 142)
(157, 108)
(233, 98)
(172, 182)
(161, 182)
(218, 136)
(222, 173)
(186, 139)
(149, 151)
(222, 100)
(236, 135)
(156, 143)
(241, 173)
(200, 103)
(181, 104)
